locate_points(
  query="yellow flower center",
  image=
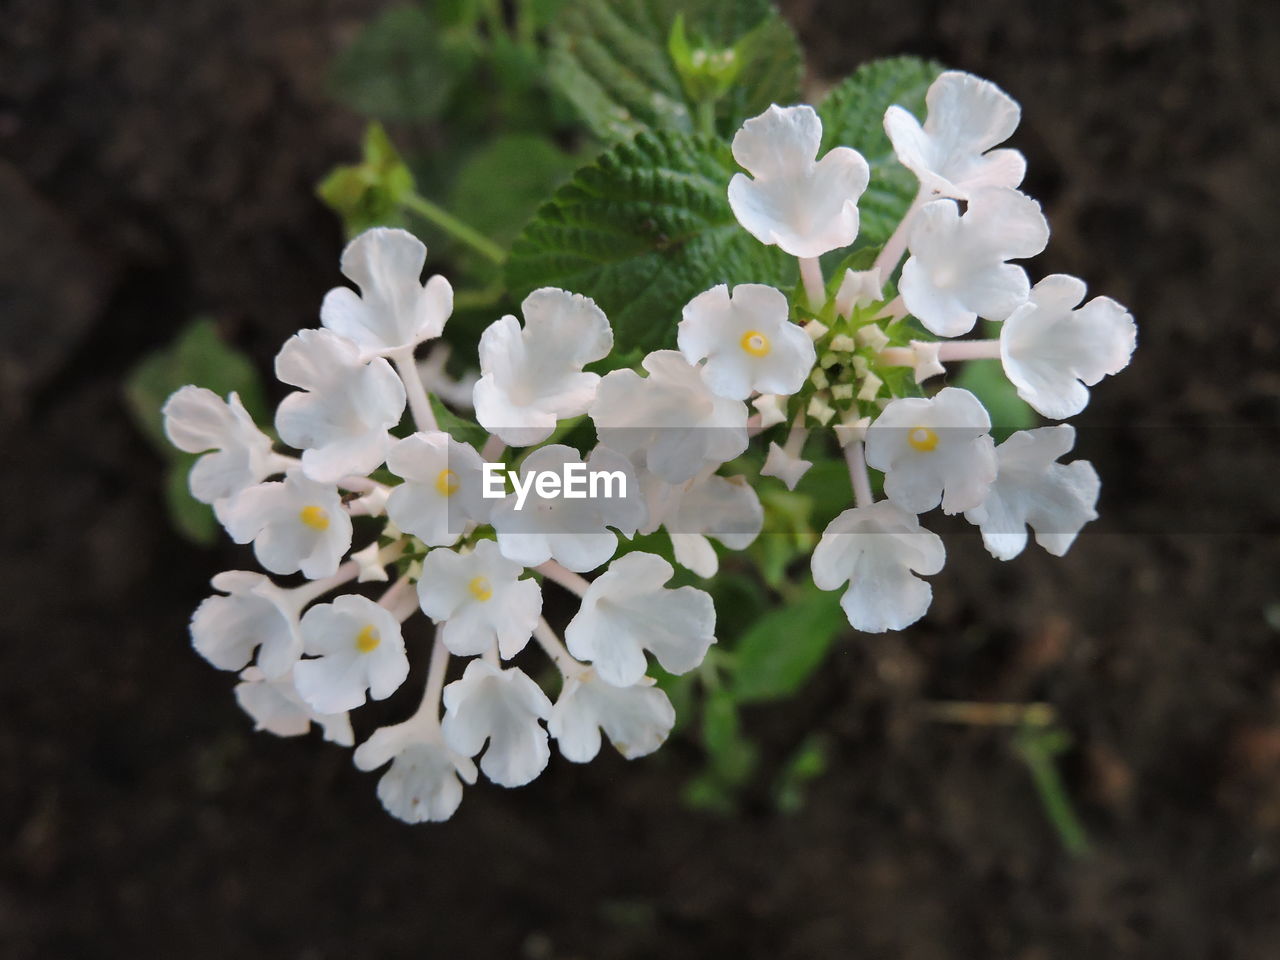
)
(317, 518)
(367, 639)
(447, 482)
(922, 439)
(755, 343)
(480, 588)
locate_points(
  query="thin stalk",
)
(423, 416)
(446, 221)
(858, 476)
(815, 288)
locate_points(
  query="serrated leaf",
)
(611, 60)
(778, 654)
(502, 183)
(642, 230)
(853, 116)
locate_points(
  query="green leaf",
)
(853, 116)
(191, 518)
(778, 654)
(370, 193)
(807, 763)
(460, 428)
(732, 757)
(403, 66)
(642, 230)
(199, 356)
(613, 60)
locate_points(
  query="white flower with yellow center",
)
(957, 270)
(747, 340)
(669, 422)
(1033, 490)
(636, 719)
(792, 199)
(951, 154)
(357, 647)
(274, 706)
(1053, 352)
(936, 450)
(254, 615)
(532, 377)
(877, 549)
(442, 491)
(628, 610)
(502, 707)
(197, 420)
(394, 310)
(294, 524)
(423, 783)
(341, 418)
(574, 532)
(480, 599)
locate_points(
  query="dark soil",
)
(157, 160)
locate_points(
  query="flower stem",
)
(446, 221)
(815, 289)
(556, 650)
(557, 573)
(423, 416)
(858, 476)
(430, 708)
(969, 350)
(891, 253)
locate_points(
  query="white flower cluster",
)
(417, 500)
(967, 222)
(418, 503)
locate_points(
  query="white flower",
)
(859, 288)
(256, 614)
(876, 548)
(394, 310)
(636, 719)
(787, 468)
(480, 599)
(370, 563)
(1031, 489)
(198, 420)
(949, 154)
(533, 377)
(627, 610)
(274, 706)
(340, 419)
(294, 525)
(957, 270)
(747, 339)
(771, 408)
(437, 381)
(442, 491)
(422, 784)
(934, 450)
(503, 707)
(358, 647)
(669, 422)
(725, 508)
(804, 205)
(573, 532)
(1053, 353)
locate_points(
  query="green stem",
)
(1034, 749)
(707, 117)
(446, 221)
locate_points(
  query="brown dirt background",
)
(158, 159)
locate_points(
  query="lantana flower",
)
(294, 524)
(628, 609)
(878, 549)
(726, 509)
(792, 199)
(254, 615)
(1053, 350)
(479, 599)
(532, 377)
(1033, 490)
(957, 270)
(502, 707)
(237, 454)
(423, 782)
(394, 310)
(935, 450)
(341, 418)
(951, 154)
(670, 421)
(357, 647)
(274, 706)
(747, 340)
(442, 492)
(636, 719)
(574, 532)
